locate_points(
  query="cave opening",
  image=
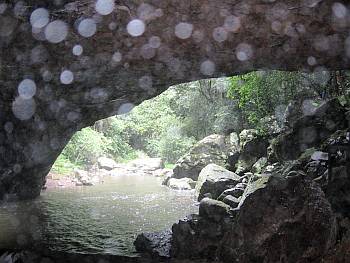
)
(141, 170)
(268, 157)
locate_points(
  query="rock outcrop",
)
(276, 220)
(212, 149)
(309, 131)
(213, 180)
(253, 147)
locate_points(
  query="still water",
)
(102, 219)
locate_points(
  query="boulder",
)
(156, 244)
(213, 209)
(309, 131)
(212, 149)
(337, 190)
(277, 222)
(162, 172)
(180, 184)
(236, 191)
(150, 164)
(253, 147)
(259, 166)
(106, 163)
(231, 201)
(214, 179)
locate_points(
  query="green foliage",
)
(259, 93)
(86, 146)
(63, 165)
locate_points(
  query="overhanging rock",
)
(168, 42)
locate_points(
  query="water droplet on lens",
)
(136, 27)
(66, 77)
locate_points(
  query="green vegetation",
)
(168, 125)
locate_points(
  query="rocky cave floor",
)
(287, 201)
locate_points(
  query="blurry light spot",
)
(339, 10)
(244, 52)
(23, 109)
(207, 68)
(39, 18)
(77, 50)
(220, 34)
(87, 27)
(117, 57)
(136, 27)
(154, 42)
(104, 7)
(56, 31)
(232, 23)
(183, 30)
(27, 89)
(66, 77)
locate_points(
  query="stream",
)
(101, 219)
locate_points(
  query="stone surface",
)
(180, 184)
(215, 179)
(151, 164)
(211, 149)
(260, 165)
(253, 147)
(157, 244)
(106, 163)
(309, 131)
(280, 221)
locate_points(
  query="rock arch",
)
(182, 41)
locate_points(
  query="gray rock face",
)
(277, 217)
(212, 149)
(117, 70)
(213, 180)
(106, 163)
(309, 131)
(157, 244)
(180, 184)
(253, 147)
(295, 210)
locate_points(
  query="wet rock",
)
(236, 191)
(212, 149)
(156, 244)
(213, 209)
(214, 179)
(197, 238)
(181, 184)
(253, 147)
(147, 164)
(337, 190)
(106, 163)
(278, 221)
(309, 131)
(259, 166)
(162, 172)
(231, 201)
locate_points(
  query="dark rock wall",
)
(219, 38)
